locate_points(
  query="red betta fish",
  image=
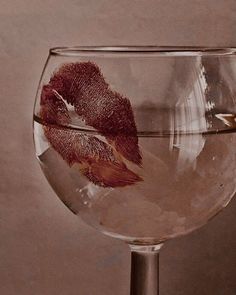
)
(83, 86)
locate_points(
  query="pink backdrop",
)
(44, 249)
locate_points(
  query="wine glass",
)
(139, 141)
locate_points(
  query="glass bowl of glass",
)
(139, 141)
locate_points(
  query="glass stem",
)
(144, 270)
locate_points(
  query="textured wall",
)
(44, 249)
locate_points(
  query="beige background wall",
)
(44, 249)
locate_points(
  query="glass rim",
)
(143, 50)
